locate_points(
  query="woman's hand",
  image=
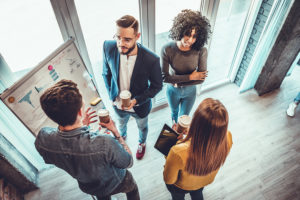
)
(180, 135)
(195, 76)
(174, 127)
(87, 120)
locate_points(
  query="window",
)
(229, 23)
(29, 33)
(97, 21)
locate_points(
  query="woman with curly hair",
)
(184, 60)
(194, 162)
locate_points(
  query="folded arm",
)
(198, 76)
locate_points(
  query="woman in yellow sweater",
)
(194, 162)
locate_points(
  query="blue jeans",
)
(142, 123)
(297, 99)
(178, 193)
(181, 100)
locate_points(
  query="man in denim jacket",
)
(97, 162)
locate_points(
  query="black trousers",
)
(178, 193)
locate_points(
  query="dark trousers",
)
(128, 186)
(178, 194)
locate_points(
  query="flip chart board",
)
(23, 97)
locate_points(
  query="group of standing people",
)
(127, 65)
(99, 162)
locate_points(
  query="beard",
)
(130, 49)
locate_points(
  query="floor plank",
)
(263, 163)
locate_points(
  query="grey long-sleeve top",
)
(177, 65)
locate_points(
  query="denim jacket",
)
(98, 162)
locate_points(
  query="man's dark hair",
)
(185, 22)
(128, 21)
(62, 102)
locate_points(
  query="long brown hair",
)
(208, 134)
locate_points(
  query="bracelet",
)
(117, 138)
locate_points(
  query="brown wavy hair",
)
(208, 134)
(62, 102)
(185, 22)
(128, 21)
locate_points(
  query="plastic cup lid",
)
(185, 120)
(103, 112)
(125, 94)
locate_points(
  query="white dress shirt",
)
(126, 68)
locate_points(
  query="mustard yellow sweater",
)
(174, 172)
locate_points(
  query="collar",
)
(74, 132)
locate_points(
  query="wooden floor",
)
(264, 163)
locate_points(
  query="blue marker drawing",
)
(72, 61)
(55, 78)
(26, 98)
(53, 75)
(39, 89)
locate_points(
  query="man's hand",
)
(198, 75)
(111, 126)
(132, 103)
(87, 120)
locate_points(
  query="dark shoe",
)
(140, 151)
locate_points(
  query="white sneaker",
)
(291, 109)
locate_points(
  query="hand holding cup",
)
(184, 122)
(125, 97)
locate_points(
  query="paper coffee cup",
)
(184, 122)
(103, 115)
(125, 96)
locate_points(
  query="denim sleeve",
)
(118, 156)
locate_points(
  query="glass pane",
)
(97, 21)
(29, 32)
(163, 24)
(16, 133)
(164, 21)
(225, 36)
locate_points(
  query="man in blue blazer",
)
(128, 65)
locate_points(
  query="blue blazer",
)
(146, 79)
